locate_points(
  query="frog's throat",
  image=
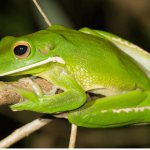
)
(51, 59)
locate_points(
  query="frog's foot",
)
(39, 85)
(36, 88)
(31, 96)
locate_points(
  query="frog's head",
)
(28, 54)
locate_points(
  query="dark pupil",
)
(20, 50)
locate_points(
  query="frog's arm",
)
(138, 54)
(72, 97)
(113, 111)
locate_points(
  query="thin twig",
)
(73, 136)
(42, 12)
(24, 131)
(73, 127)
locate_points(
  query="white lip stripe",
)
(51, 59)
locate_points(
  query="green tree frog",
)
(80, 62)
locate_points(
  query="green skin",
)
(79, 62)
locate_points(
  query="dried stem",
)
(42, 12)
(73, 127)
(73, 136)
(24, 131)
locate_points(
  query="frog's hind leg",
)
(130, 108)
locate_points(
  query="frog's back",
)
(96, 63)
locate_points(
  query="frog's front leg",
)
(129, 108)
(72, 97)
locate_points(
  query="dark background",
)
(129, 19)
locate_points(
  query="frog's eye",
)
(21, 49)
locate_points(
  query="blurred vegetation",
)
(129, 19)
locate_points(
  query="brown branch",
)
(9, 96)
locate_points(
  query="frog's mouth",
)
(50, 59)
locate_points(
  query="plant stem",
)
(42, 13)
